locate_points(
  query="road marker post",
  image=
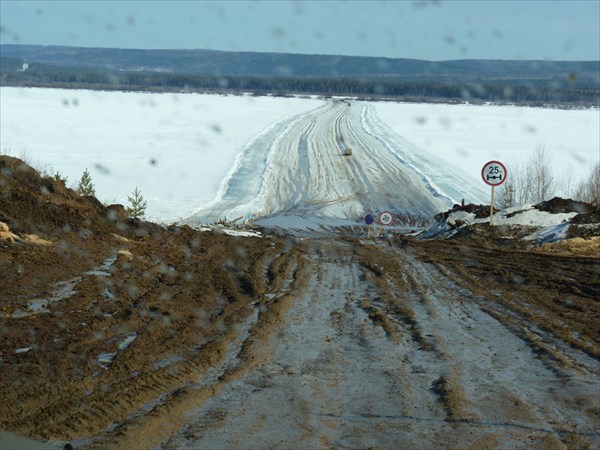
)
(493, 174)
(492, 208)
(369, 219)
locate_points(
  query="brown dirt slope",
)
(104, 280)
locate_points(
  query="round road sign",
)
(386, 218)
(369, 219)
(494, 173)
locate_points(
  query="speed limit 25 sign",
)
(494, 173)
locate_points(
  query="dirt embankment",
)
(111, 313)
(118, 333)
(557, 293)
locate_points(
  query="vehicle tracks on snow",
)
(298, 167)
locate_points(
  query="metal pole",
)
(492, 208)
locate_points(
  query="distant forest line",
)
(567, 93)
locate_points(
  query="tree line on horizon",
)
(533, 92)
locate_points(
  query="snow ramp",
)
(298, 167)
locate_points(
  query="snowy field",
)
(180, 149)
(470, 135)
(176, 148)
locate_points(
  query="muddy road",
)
(117, 333)
(383, 349)
(319, 344)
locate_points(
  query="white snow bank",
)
(229, 231)
(304, 223)
(521, 215)
(529, 216)
(241, 233)
(549, 227)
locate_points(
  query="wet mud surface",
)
(123, 334)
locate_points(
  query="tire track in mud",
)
(308, 343)
(490, 377)
(178, 338)
(561, 302)
(200, 374)
(329, 380)
(383, 350)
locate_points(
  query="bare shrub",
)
(589, 190)
(532, 182)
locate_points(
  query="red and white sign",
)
(386, 218)
(494, 173)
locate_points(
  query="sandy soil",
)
(118, 333)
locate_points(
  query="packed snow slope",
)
(298, 167)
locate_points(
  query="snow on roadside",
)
(529, 216)
(546, 227)
(526, 215)
(241, 233)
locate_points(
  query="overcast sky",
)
(441, 30)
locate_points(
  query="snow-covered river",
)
(181, 149)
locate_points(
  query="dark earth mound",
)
(480, 211)
(561, 205)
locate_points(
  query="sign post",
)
(494, 174)
(369, 219)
